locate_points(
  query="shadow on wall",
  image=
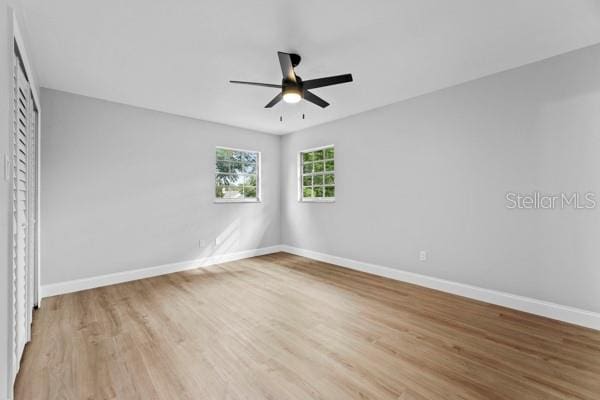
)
(238, 235)
(229, 238)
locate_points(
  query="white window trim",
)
(301, 199)
(258, 177)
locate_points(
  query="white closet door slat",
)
(22, 192)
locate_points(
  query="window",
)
(317, 174)
(237, 177)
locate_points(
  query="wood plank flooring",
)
(286, 327)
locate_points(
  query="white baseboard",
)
(559, 312)
(126, 276)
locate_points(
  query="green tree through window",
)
(318, 174)
(236, 175)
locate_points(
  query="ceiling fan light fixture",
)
(292, 95)
(293, 88)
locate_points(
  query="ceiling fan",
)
(293, 88)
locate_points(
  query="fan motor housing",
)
(293, 89)
(290, 84)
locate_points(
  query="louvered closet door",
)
(22, 111)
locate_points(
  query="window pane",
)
(232, 192)
(236, 167)
(229, 180)
(329, 153)
(250, 168)
(329, 165)
(307, 180)
(249, 157)
(237, 155)
(236, 174)
(223, 154)
(249, 192)
(223, 179)
(318, 173)
(222, 166)
(307, 157)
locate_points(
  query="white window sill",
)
(225, 201)
(324, 200)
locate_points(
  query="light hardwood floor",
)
(286, 327)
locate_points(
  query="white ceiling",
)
(177, 56)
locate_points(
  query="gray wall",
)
(431, 174)
(126, 188)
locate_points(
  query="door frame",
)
(37, 281)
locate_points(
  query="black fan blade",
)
(271, 85)
(275, 100)
(287, 68)
(313, 98)
(328, 81)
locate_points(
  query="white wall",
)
(431, 174)
(126, 188)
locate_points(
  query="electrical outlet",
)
(202, 243)
(422, 255)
